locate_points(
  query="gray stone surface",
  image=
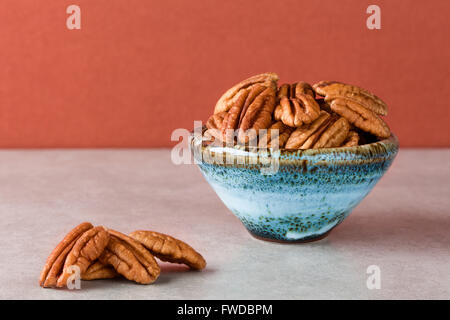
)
(403, 227)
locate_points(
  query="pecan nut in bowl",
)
(361, 117)
(333, 89)
(297, 111)
(268, 79)
(258, 116)
(276, 136)
(169, 249)
(334, 135)
(307, 135)
(333, 146)
(352, 139)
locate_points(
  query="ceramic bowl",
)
(293, 195)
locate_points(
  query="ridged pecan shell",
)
(361, 117)
(333, 90)
(226, 101)
(55, 262)
(169, 249)
(87, 249)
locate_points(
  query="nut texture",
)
(257, 116)
(87, 249)
(226, 101)
(124, 259)
(169, 249)
(333, 89)
(98, 270)
(361, 117)
(277, 131)
(216, 120)
(334, 135)
(306, 136)
(54, 264)
(303, 109)
(352, 139)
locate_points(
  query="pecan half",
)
(214, 129)
(291, 91)
(140, 252)
(241, 103)
(55, 262)
(98, 270)
(361, 117)
(127, 262)
(216, 120)
(87, 249)
(257, 116)
(279, 131)
(226, 101)
(306, 135)
(352, 139)
(334, 134)
(333, 89)
(169, 249)
(303, 109)
(278, 113)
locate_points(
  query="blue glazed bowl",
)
(293, 195)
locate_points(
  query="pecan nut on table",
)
(102, 253)
(328, 114)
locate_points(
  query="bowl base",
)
(310, 239)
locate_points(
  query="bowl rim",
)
(367, 153)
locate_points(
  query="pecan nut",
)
(361, 117)
(87, 249)
(216, 120)
(334, 135)
(240, 105)
(98, 270)
(277, 131)
(291, 91)
(352, 139)
(257, 116)
(303, 109)
(333, 89)
(129, 258)
(226, 101)
(169, 249)
(55, 262)
(307, 135)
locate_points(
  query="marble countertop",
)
(402, 227)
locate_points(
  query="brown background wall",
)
(139, 69)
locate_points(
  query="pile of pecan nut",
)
(102, 253)
(328, 114)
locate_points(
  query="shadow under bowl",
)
(293, 195)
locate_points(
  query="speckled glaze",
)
(311, 192)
